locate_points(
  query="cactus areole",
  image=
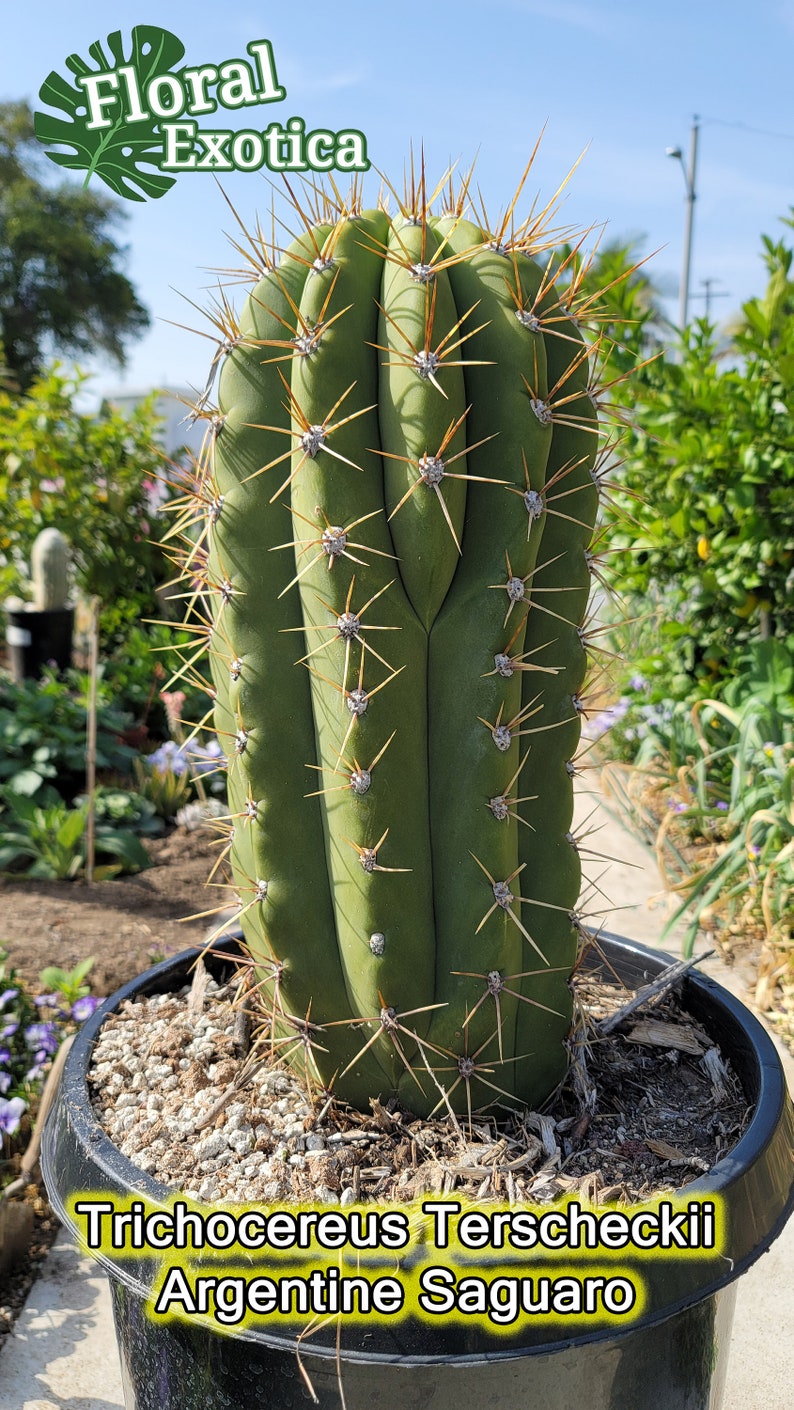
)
(399, 487)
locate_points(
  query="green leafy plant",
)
(708, 784)
(711, 464)
(49, 453)
(47, 840)
(644, 727)
(47, 836)
(67, 986)
(174, 774)
(395, 540)
(166, 789)
(43, 735)
(136, 671)
(123, 807)
(122, 153)
(739, 796)
(32, 1029)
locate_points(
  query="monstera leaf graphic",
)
(118, 154)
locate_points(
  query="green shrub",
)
(46, 840)
(121, 806)
(711, 467)
(92, 477)
(43, 734)
(138, 668)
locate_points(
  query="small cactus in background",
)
(397, 500)
(49, 571)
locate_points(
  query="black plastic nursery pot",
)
(672, 1357)
(35, 639)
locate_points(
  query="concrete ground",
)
(62, 1355)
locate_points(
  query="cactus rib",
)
(398, 499)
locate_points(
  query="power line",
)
(745, 127)
(709, 293)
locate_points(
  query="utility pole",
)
(708, 295)
(690, 172)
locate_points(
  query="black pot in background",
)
(34, 639)
(672, 1358)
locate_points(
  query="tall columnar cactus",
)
(49, 570)
(398, 491)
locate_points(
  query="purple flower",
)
(84, 1007)
(42, 1036)
(606, 719)
(47, 1001)
(721, 807)
(5, 1055)
(10, 1113)
(5, 1082)
(9, 1030)
(6, 996)
(638, 682)
(169, 758)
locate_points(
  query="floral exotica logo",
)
(132, 118)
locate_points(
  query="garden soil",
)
(126, 924)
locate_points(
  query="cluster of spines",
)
(421, 383)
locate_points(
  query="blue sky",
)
(619, 77)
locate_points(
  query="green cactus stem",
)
(49, 570)
(398, 496)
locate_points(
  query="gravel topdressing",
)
(175, 1096)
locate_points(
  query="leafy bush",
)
(95, 479)
(712, 466)
(138, 668)
(121, 806)
(46, 840)
(43, 734)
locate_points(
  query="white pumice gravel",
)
(162, 1084)
(155, 1076)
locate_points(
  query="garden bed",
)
(126, 924)
(649, 803)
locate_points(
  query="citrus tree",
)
(710, 463)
